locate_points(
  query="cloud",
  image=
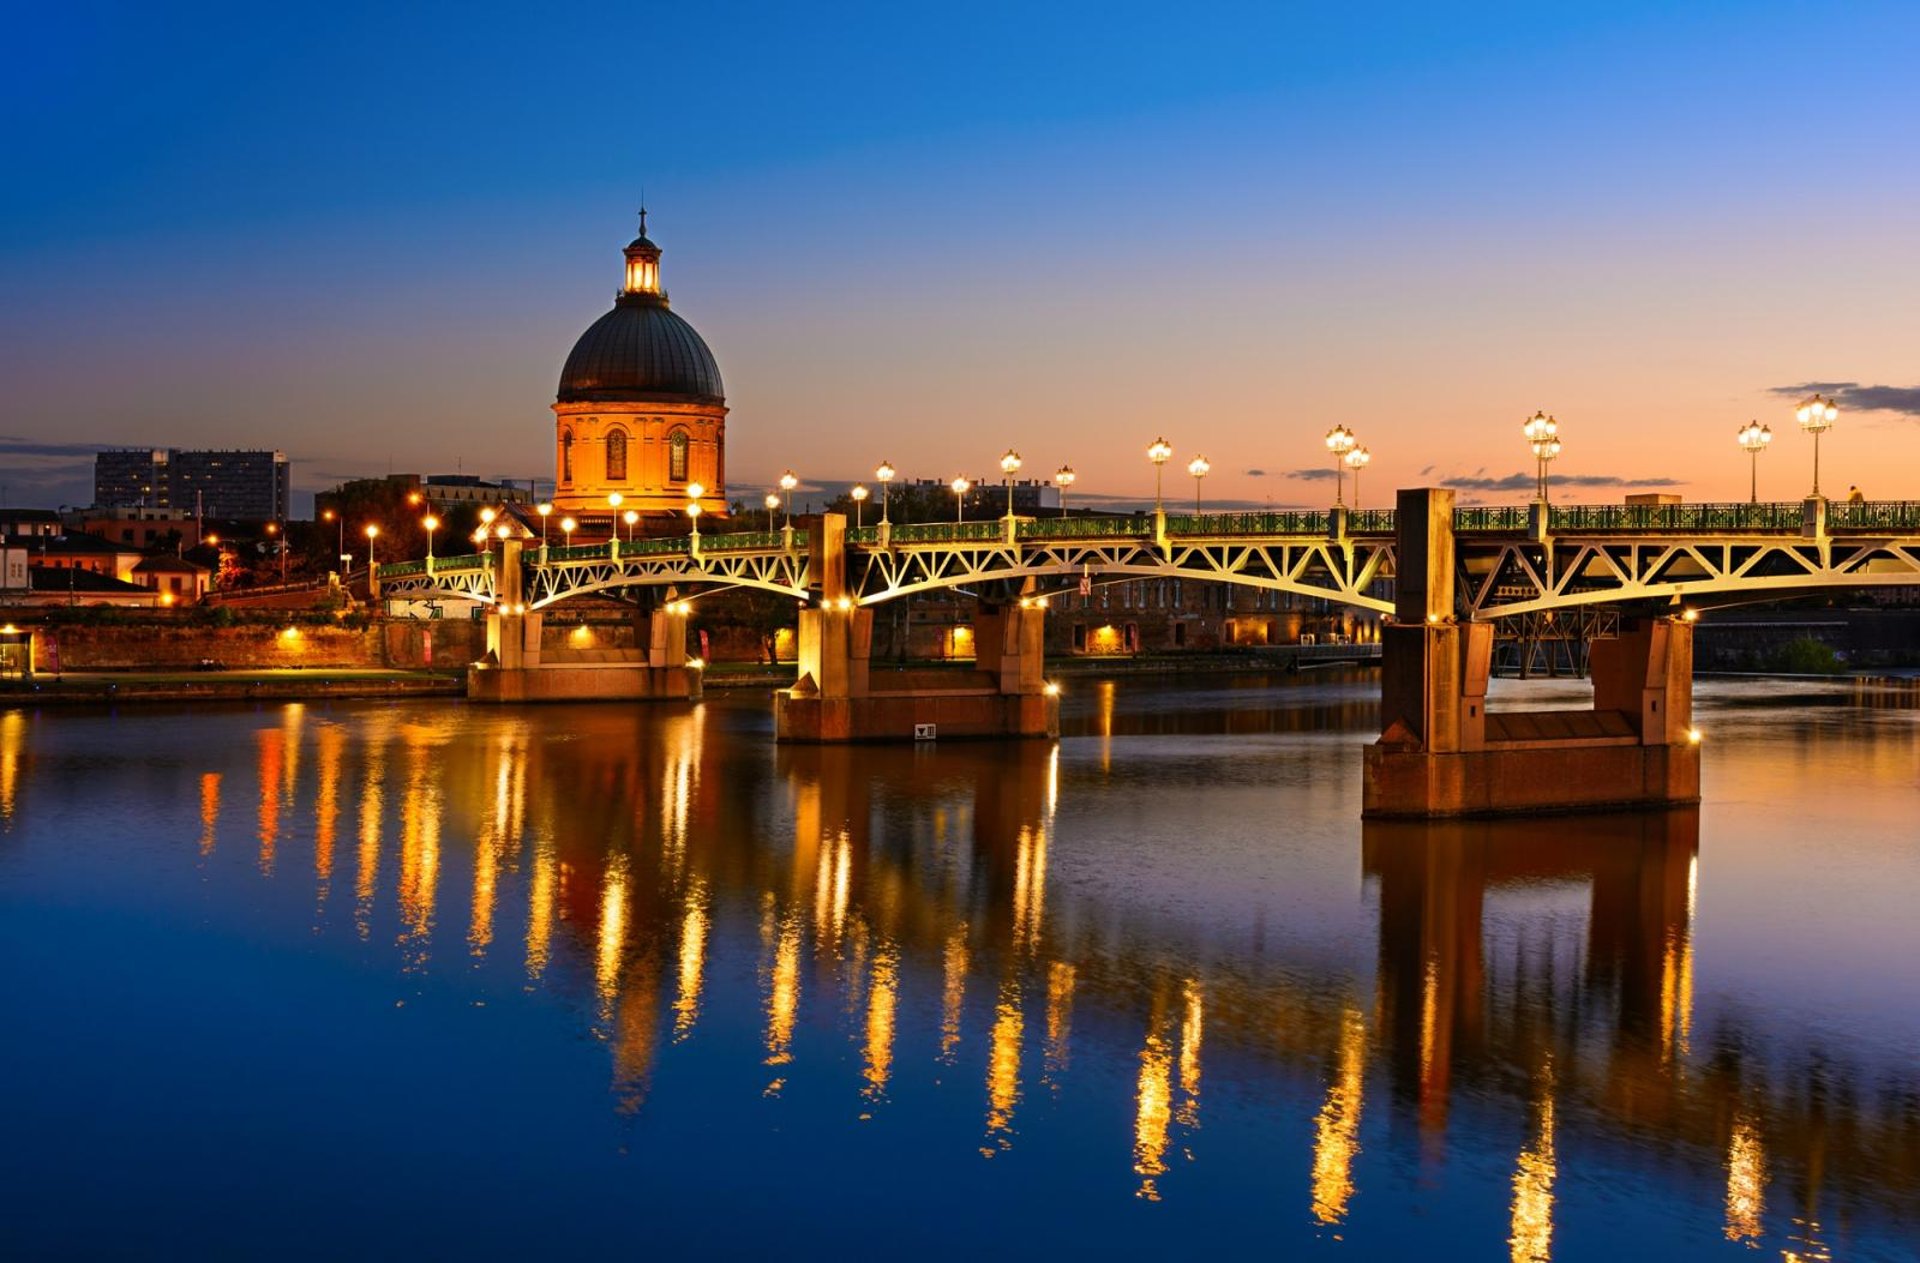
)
(13, 445)
(1427, 471)
(1524, 482)
(1314, 474)
(1852, 396)
(1256, 473)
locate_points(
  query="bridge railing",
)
(441, 565)
(1876, 515)
(1284, 522)
(1045, 528)
(946, 532)
(744, 539)
(1772, 516)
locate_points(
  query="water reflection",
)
(876, 924)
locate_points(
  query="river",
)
(432, 979)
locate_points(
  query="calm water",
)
(373, 980)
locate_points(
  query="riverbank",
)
(94, 688)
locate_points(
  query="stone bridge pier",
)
(839, 697)
(1441, 754)
(520, 667)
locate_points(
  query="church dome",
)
(640, 351)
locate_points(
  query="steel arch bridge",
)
(1512, 560)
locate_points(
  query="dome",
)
(640, 351)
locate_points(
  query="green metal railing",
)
(1491, 517)
(1877, 515)
(947, 532)
(742, 539)
(1085, 528)
(1677, 517)
(576, 552)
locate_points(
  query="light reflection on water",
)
(1410, 1037)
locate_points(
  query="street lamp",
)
(1340, 441)
(859, 494)
(1754, 438)
(545, 511)
(1358, 459)
(373, 533)
(694, 492)
(773, 502)
(1063, 478)
(330, 516)
(1159, 454)
(1198, 467)
(1816, 418)
(432, 524)
(1543, 435)
(632, 518)
(567, 528)
(273, 528)
(883, 476)
(488, 514)
(1009, 466)
(787, 483)
(614, 501)
(960, 488)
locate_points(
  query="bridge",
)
(1450, 580)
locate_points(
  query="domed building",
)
(641, 412)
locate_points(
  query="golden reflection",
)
(1103, 722)
(1029, 885)
(540, 907)
(783, 995)
(613, 935)
(1060, 980)
(953, 993)
(693, 961)
(833, 875)
(209, 811)
(326, 806)
(882, 999)
(1746, 1181)
(1053, 781)
(13, 745)
(419, 846)
(636, 1034)
(486, 876)
(1531, 1240)
(272, 760)
(1336, 1129)
(1190, 1030)
(1003, 1066)
(1153, 1112)
(679, 779)
(372, 810)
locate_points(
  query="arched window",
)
(566, 456)
(677, 456)
(617, 456)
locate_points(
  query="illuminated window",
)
(677, 456)
(617, 456)
(566, 456)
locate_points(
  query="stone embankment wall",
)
(163, 647)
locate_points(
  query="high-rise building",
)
(250, 485)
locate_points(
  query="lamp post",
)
(632, 518)
(1543, 436)
(1340, 441)
(773, 502)
(329, 515)
(1198, 467)
(545, 510)
(567, 528)
(1159, 454)
(883, 476)
(614, 501)
(432, 524)
(1816, 418)
(960, 488)
(373, 571)
(694, 492)
(1009, 466)
(1357, 460)
(859, 494)
(787, 483)
(280, 541)
(1754, 438)
(1063, 478)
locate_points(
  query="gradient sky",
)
(926, 233)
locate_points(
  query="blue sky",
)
(927, 233)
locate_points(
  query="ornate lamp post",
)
(1816, 417)
(1543, 435)
(772, 503)
(859, 494)
(1754, 438)
(787, 483)
(545, 511)
(614, 501)
(1009, 466)
(632, 518)
(1159, 454)
(1063, 478)
(883, 476)
(330, 516)
(567, 528)
(1199, 468)
(432, 524)
(960, 488)
(694, 492)
(1340, 441)
(1358, 459)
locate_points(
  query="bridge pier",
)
(838, 697)
(519, 668)
(1440, 754)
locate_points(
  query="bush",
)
(1806, 656)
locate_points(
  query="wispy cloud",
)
(1904, 400)
(1525, 482)
(1314, 474)
(13, 445)
(1256, 473)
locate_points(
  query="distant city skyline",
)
(928, 237)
